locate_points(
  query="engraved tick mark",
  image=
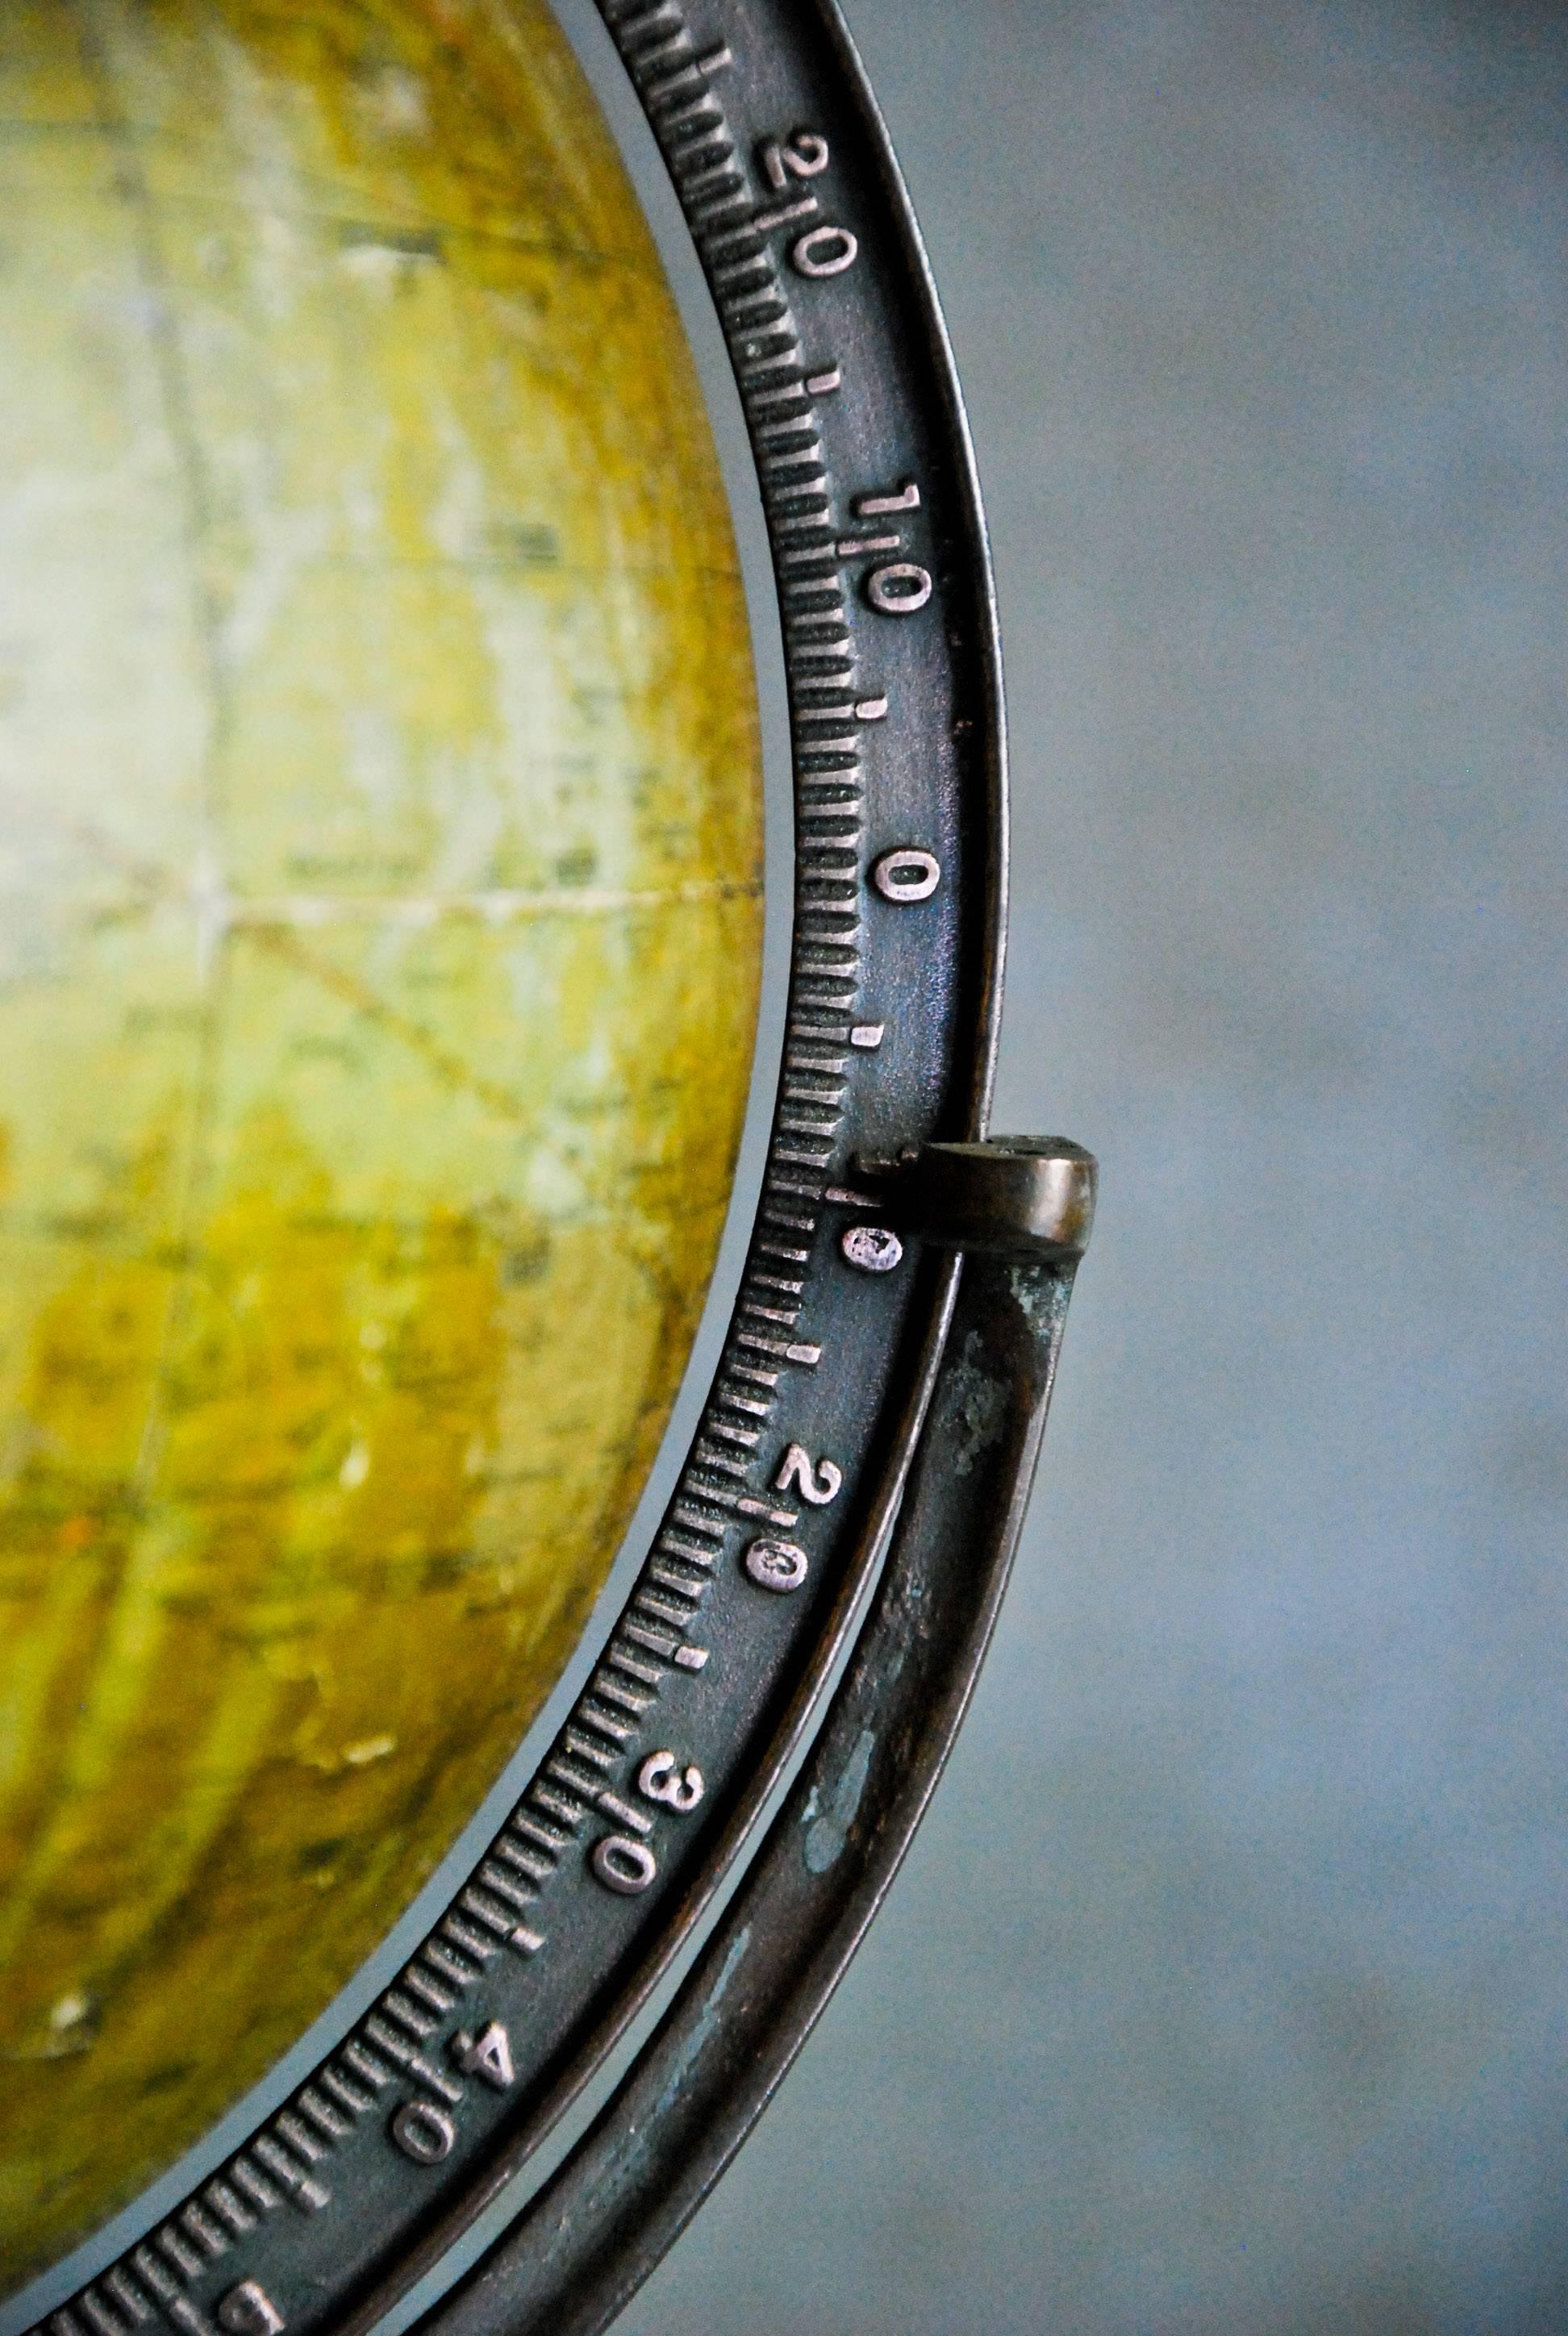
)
(905, 498)
(805, 208)
(624, 1814)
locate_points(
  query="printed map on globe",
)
(380, 918)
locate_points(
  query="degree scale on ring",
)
(842, 1391)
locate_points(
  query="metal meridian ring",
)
(429, 2103)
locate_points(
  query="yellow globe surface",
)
(379, 944)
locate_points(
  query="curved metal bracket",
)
(1021, 1212)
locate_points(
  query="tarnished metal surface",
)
(597, 2230)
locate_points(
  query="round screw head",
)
(872, 1249)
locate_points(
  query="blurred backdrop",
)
(1225, 1987)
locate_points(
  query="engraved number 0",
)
(907, 875)
(622, 1864)
(818, 1484)
(423, 2132)
(901, 589)
(824, 251)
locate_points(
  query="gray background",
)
(1224, 1989)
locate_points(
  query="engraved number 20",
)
(825, 250)
(817, 1483)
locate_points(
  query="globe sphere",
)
(379, 946)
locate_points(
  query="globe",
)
(379, 947)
